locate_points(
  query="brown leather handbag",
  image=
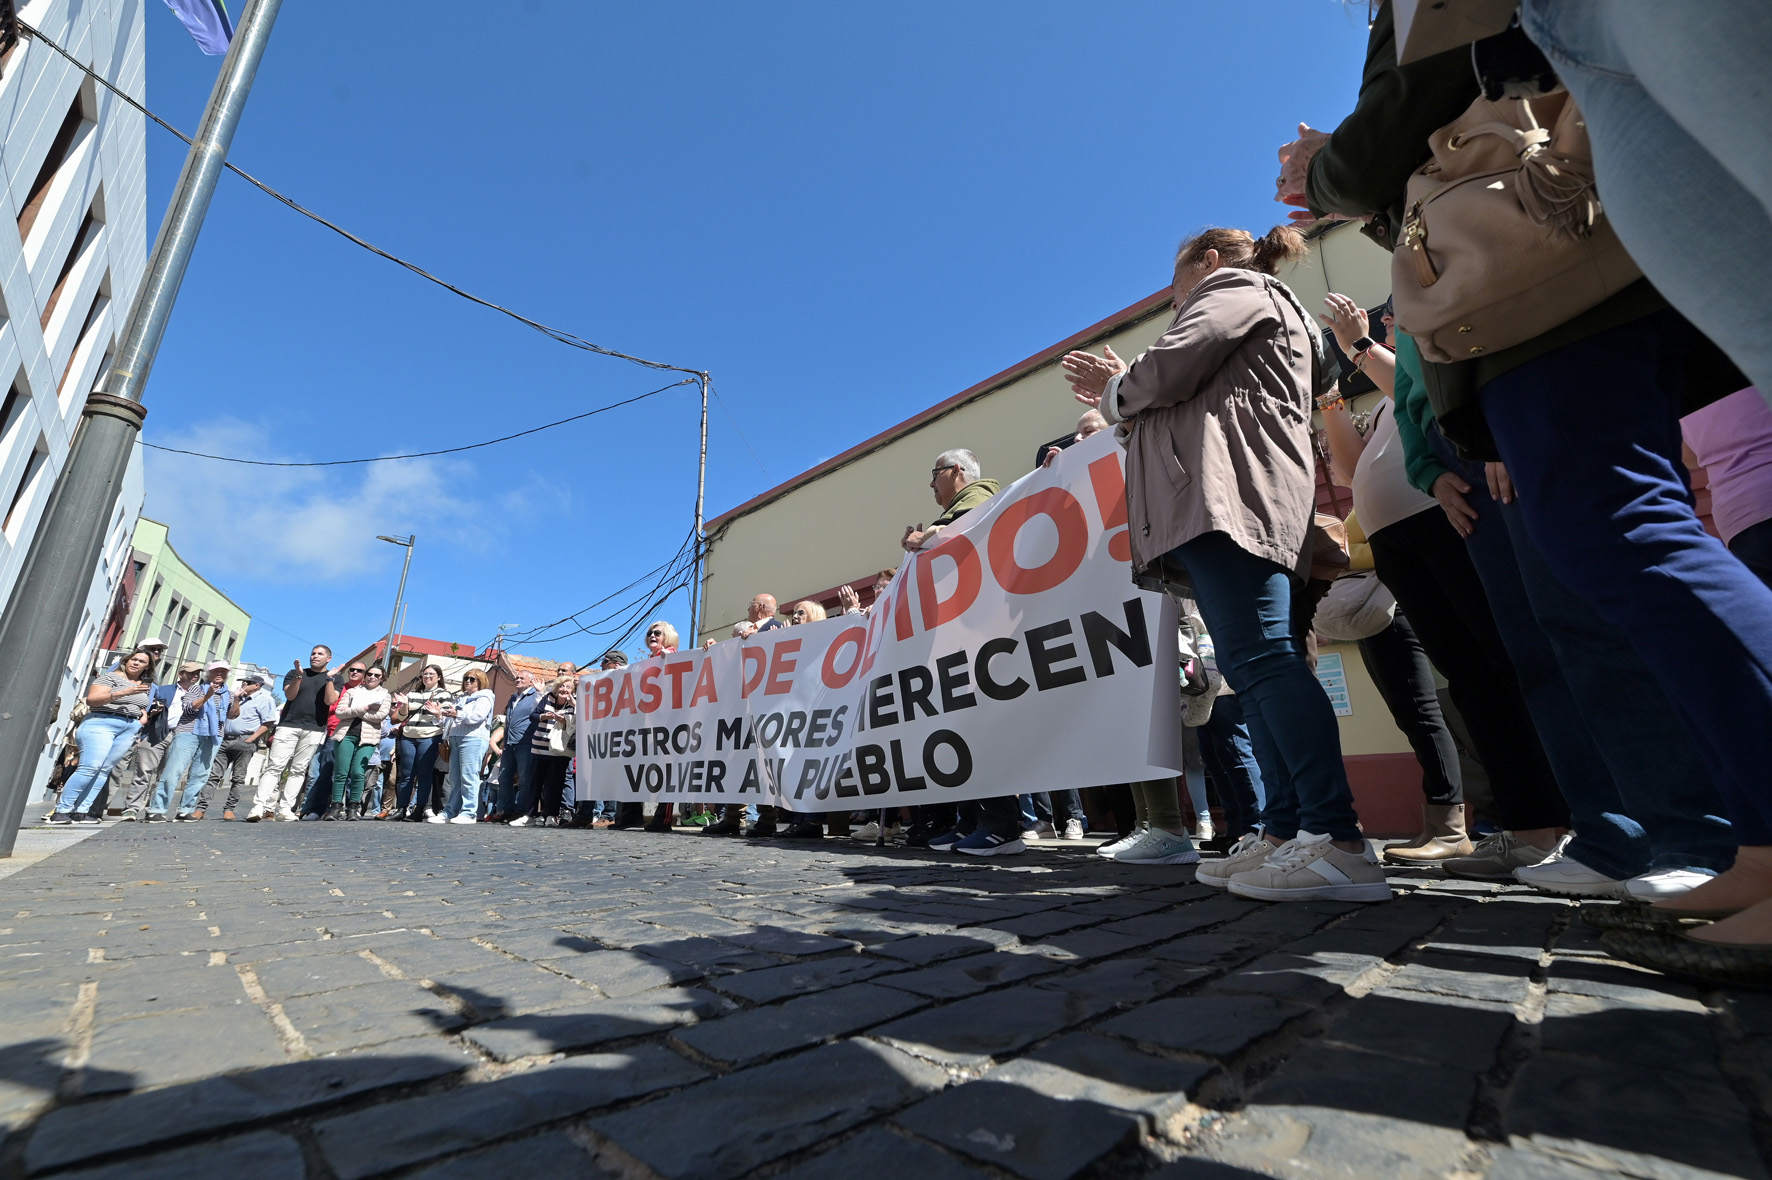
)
(1504, 238)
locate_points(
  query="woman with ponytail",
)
(1220, 492)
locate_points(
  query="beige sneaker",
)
(1494, 859)
(1247, 853)
(1310, 868)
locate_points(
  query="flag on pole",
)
(207, 21)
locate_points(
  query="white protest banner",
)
(1015, 655)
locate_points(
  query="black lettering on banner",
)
(717, 775)
(1134, 642)
(796, 725)
(654, 777)
(950, 670)
(870, 764)
(906, 781)
(628, 752)
(962, 755)
(981, 671)
(680, 739)
(728, 731)
(836, 725)
(635, 774)
(823, 788)
(844, 779)
(821, 719)
(750, 779)
(766, 735)
(695, 738)
(880, 702)
(645, 742)
(808, 775)
(696, 769)
(914, 686)
(1043, 657)
(750, 736)
(661, 740)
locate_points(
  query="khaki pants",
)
(291, 751)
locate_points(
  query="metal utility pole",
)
(40, 622)
(387, 655)
(701, 482)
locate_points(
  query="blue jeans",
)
(1193, 777)
(1676, 104)
(1229, 756)
(465, 756)
(1591, 436)
(187, 752)
(417, 760)
(104, 739)
(1246, 602)
(516, 782)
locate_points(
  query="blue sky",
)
(846, 213)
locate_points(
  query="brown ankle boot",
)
(1444, 839)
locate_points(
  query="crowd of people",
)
(1523, 522)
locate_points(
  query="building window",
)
(59, 151)
(233, 641)
(147, 627)
(17, 398)
(84, 342)
(83, 241)
(27, 487)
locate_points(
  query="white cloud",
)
(318, 524)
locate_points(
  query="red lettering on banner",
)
(675, 672)
(781, 665)
(965, 558)
(833, 678)
(651, 696)
(1108, 479)
(753, 657)
(901, 609)
(704, 685)
(876, 632)
(1073, 541)
(602, 694)
(625, 698)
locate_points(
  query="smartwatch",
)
(1363, 344)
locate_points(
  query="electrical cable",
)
(559, 334)
(660, 574)
(423, 454)
(622, 619)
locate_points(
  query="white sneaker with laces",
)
(1126, 841)
(1561, 875)
(868, 832)
(1073, 830)
(435, 819)
(1203, 830)
(522, 821)
(1247, 853)
(464, 818)
(1659, 883)
(1158, 847)
(1312, 868)
(1029, 835)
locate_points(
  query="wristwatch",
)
(1363, 344)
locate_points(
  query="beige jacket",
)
(360, 713)
(1219, 423)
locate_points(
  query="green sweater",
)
(966, 499)
(1414, 415)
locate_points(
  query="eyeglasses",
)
(935, 471)
(655, 634)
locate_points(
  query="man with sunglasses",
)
(309, 695)
(319, 795)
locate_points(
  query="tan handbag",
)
(1504, 238)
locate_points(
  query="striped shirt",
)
(544, 726)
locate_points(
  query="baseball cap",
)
(147, 643)
(214, 664)
(190, 666)
(614, 657)
(253, 678)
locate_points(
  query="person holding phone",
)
(117, 701)
(419, 717)
(468, 718)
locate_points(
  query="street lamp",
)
(387, 655)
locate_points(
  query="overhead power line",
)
(559, 334)
(423, 454)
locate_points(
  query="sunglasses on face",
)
(655, 634)
(356, 671)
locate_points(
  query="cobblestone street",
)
(356, 1000)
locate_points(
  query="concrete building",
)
(73, 180)
(857, 503)
(176, 603)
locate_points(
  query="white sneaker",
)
(1045, 831)
(1248, 853)
(1158, 847)
(1563, 876)
(435, 819)
(288, 816)
(463, 818)
(1126, 841)
(1203, 830)
(1659, 883)
(522, 821)
(1310, 868)
(1029, 835)
(1073, 830)
(868, 833)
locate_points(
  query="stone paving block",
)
(597, 1024)
(179, 1047)
(399, 1134)
(1655, 1037)
(788, 942)
(1210, 1025)
(618, 974)
(511, 989)
(971, 1032)
(1285, 923)
(1446, 1031)
(936, 947)
(1087, 944)
(369, 1014)
(283, 979)
(709, 956)
(87, 1130)
(1314, 1142)
(881, 1152)
(1109, 1061)
(1497, 978)
(1019, 1129)
(262, 1156)
(794, 979)
(1199, 1169)
(1349, 1079)
(1308, 978)
(1618, 981)
(957, 978)
(749, 1118)
(1038, 925)
(1752, 1011)
(1125, 983)
(1109, 908)
(1676, 1116)
(1206, 950)
(746, 1037)
(1165, 926)
(551, 1155)
(541, 945)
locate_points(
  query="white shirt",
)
(1383, 494)
(473, 715)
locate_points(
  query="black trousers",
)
(1399, 667)
(1425, 564)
